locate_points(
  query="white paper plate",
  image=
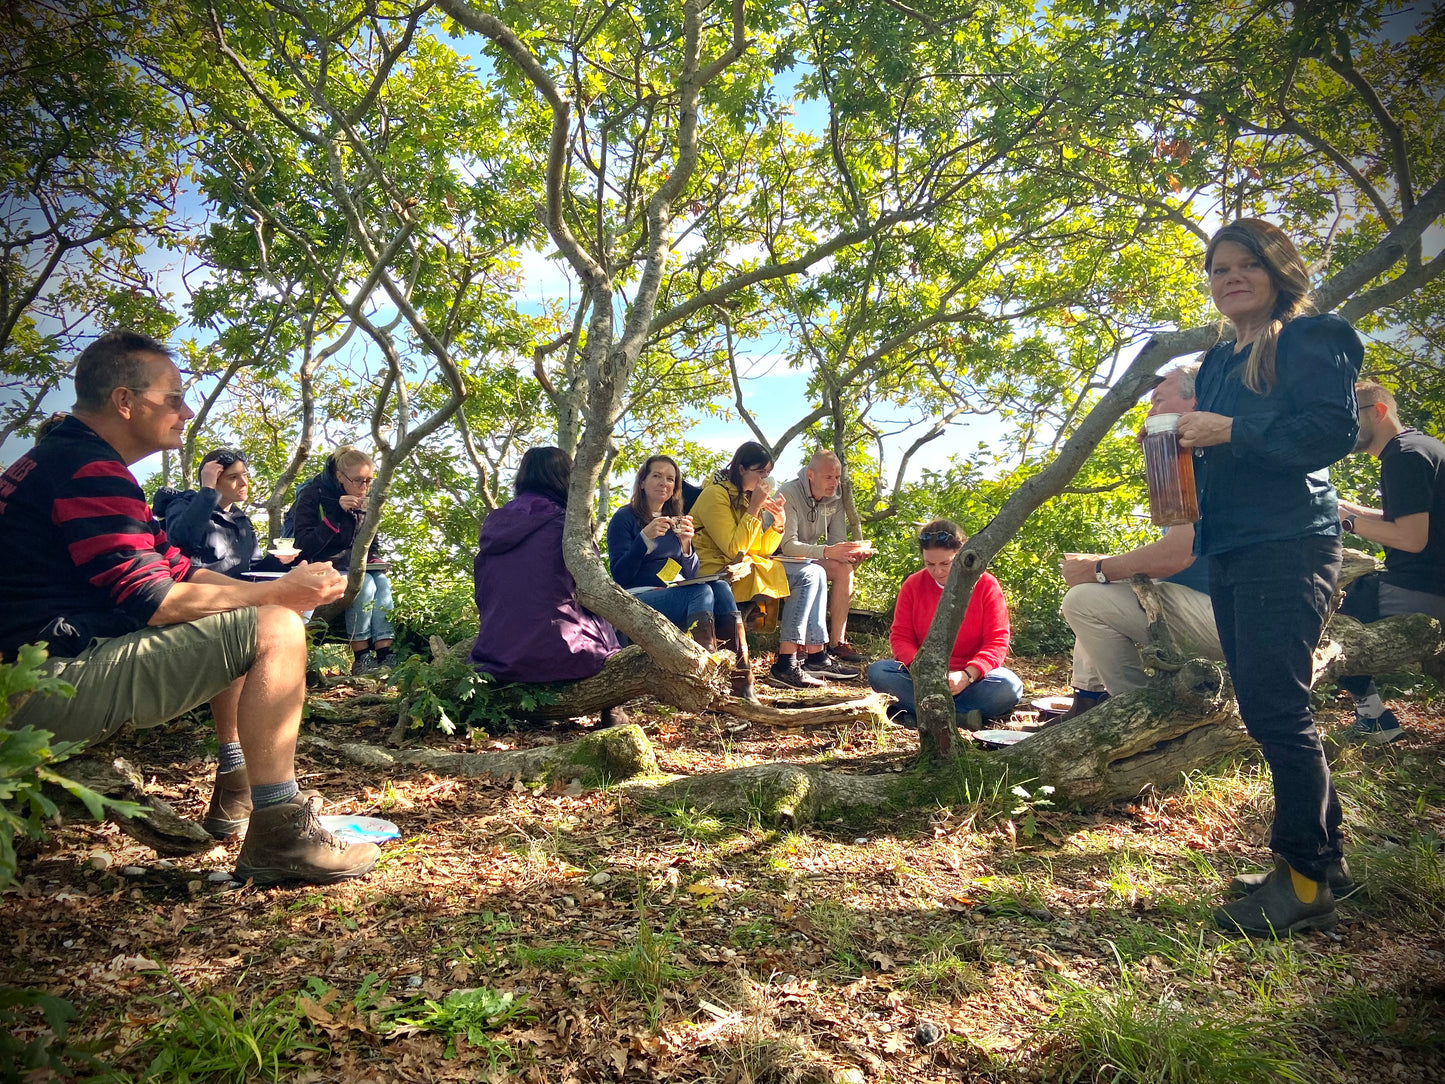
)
(997, 737)
(1055, 705)
(360, 829)
(292, 552)
(262, 575)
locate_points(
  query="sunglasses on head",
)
(938, 538)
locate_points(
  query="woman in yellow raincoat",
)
(740, 521)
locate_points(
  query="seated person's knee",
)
(279, 625)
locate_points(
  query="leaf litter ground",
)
(677, 945)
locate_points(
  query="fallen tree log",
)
(785, 795)
(1187, 718)
(159, 827)
(866, 708)
(1135, 741)
(632, 674)
(1129, 744)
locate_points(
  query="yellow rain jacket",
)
(726, 537)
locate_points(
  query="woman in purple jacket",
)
(533, 629)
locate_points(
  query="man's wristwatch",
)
(1099, 571)
(1348, 523)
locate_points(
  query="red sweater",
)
(982, 638)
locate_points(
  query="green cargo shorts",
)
(146, 677)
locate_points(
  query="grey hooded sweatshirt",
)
(812, 524)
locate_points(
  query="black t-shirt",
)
(1412, 480)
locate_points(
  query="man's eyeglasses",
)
(174, 400)
(362, 482)
(945, 539)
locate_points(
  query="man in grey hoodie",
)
(817, 527)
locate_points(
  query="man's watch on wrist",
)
(1099, 571)
(1348, 523)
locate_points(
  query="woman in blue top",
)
(1276, 406)
(650, 531)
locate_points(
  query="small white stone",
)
(100, 860)
(165, 863)
(861, 840)
(216, 876)
(601, 877)
(133, 871)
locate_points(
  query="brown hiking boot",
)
(230, 806)
(287, 843)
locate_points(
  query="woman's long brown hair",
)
(1272, 247)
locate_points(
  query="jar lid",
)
(1161, 423)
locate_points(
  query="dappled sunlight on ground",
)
(680, 945)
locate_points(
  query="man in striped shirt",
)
(140, 634)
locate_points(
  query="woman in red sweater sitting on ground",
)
(976, 677)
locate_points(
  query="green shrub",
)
(30, 1051)
(450, 692)
(469, 1013)
(26, 760)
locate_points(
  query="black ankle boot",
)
(788, 672)
(705, 632)
(1275, 909)
(735, 639)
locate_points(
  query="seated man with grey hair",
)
(1102, 609)
(817, 527)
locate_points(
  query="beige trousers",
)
(1109, 625)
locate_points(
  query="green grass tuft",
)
(216, 1039)
(1143, 1037)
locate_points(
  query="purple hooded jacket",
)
(532, 626)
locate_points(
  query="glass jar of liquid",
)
(1170, 473)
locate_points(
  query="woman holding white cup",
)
(740, 524)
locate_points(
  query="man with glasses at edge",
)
(1410, 525)
(139, 632)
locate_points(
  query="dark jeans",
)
(1270, 601)
(995, 694)
(684, 605)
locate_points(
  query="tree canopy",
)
(934, 213)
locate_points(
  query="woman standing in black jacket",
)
(329, 508)
(1276, 407)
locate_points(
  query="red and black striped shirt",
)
(81, 555)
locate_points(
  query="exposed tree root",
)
(160, 828)
(607, 756)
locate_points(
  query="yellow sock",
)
(1304, 888)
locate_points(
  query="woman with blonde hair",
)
(1275, 407)
(328, 509)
